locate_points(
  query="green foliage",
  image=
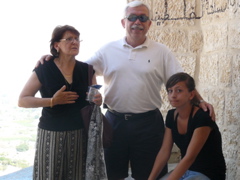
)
(4, 162)
(22, 164)
(18, 130)
(22, 147)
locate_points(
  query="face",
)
(68, 45)
(136, 31)
(179, 95)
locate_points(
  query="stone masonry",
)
(205, 37)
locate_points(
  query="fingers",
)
(48, 57)
(98, 99)
(211, 111)
(44, 58)
(63, 88)
(203, 105)
(206, 106)
(65, 97)
(70, 96)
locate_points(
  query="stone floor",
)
(26, 174)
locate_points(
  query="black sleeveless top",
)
(62, 117)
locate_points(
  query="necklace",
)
(66, 75)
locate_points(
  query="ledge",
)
(26, 174)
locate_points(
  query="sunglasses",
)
(133, 17)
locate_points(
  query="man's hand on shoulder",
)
(43, 58)
(206, 106)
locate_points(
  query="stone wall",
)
(205, 37)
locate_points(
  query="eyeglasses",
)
(133, 18)
(71, 39)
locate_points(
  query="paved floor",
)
(26, 174)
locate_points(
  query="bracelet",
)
(51, 102)
(201, 101)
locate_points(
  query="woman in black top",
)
(194, 132)
(63, 83)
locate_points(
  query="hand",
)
(43, 58)
(206, 106)
(64, 97)
(98, 99)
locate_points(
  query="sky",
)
(27, 25)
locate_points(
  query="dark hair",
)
(58, 34)
(179, 77)
(190, 83)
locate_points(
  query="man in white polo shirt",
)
(134, 69)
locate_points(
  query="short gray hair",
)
(136, 4)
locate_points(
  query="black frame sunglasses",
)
(133, 18)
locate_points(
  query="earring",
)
(57, 54)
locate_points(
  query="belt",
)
(129, 116)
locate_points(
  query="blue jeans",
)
(189, 175)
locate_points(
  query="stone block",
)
(215, 37)
(232, 104)
(188, 63)
(216, 97)
(195, 41)
(225, 69)
(175, 39)
(173, 13)
(214, 11)
(234, 35)
(235, 71)
(231, 171)
(209, 74)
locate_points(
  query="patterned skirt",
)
(60, 155)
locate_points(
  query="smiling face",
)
(136, 31)
(68, 45)
(179, 95)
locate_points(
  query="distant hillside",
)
(18, 129)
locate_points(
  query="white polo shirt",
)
(133, 76)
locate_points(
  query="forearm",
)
(94, 79)
(35, 102)
(198, 96)
(181, 168)
(198, 140)
(161, 160)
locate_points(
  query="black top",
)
(62, 117)
(210, 160)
